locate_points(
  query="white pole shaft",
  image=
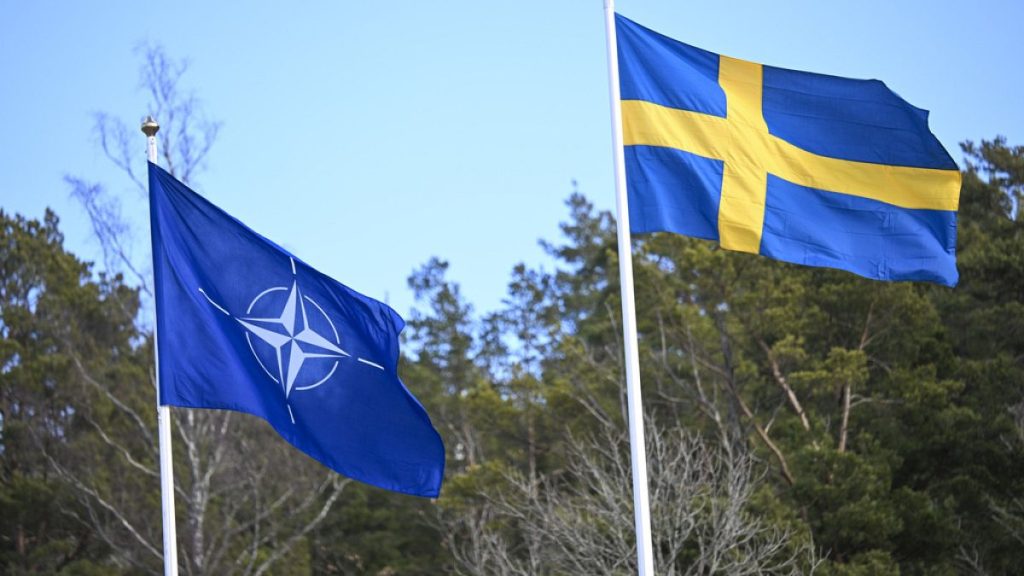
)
(638, 450)
(164, 424)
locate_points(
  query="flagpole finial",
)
(150, 126)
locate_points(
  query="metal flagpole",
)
(150, 128)
(641, 502)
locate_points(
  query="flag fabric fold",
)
(800, 167)
(244, 325)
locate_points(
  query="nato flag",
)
(244, 325)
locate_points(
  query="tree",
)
(580, 518)
(985, 319)
(888, 414)
(49, 303)
(571, 510)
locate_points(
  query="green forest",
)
(798, 420)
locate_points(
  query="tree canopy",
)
(799, 419)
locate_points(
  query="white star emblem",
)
(293, 338)
(299, 341)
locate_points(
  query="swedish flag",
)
(801, 167)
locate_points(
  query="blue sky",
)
(367, 137)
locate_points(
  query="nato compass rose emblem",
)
(292, 338)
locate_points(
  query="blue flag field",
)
(800, 167)
(244, 325)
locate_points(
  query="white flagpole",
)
(641, 502)
(149, 128)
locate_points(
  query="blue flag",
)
(800, 167)
(244, 325)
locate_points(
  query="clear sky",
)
(367, 137)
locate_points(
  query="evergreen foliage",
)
(800, 420)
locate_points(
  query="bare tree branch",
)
(582, 518)
(337, 486)
(145, 432)
(94, 496)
